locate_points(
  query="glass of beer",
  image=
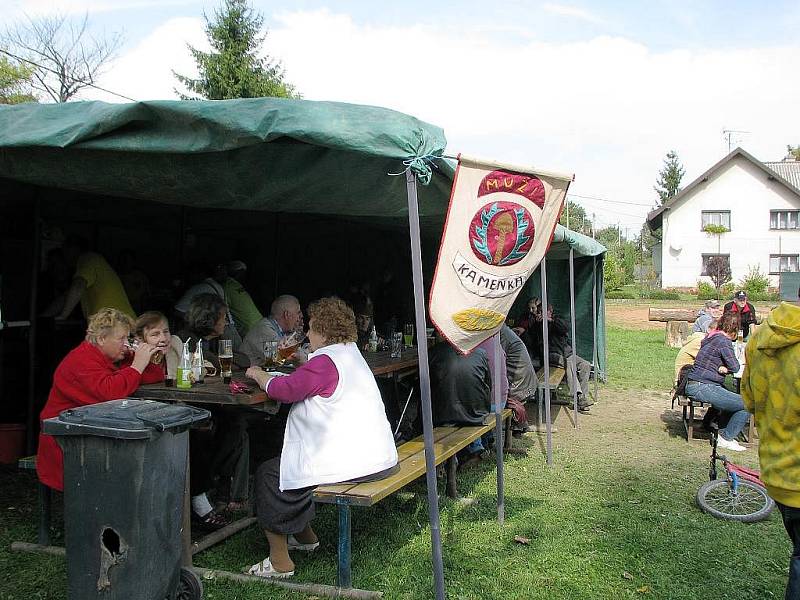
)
(225, 359)
(288, 346)
(408, 334)
(270, 353)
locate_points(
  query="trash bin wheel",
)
(189, 587)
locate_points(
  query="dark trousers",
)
(791, 520)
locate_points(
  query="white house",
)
(759, 205)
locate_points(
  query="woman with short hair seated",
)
(101, 368)
(336, 432)
(224, 459)
(716, 359)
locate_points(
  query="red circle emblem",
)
(501, 233)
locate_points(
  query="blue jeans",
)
(791, 520)
(724, 400)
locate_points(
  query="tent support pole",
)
(32, 332)
(546, 361)
(425, 385)
(574, 357)
(498, 429)
(594, 325)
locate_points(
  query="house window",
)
(717, 218)
(782, 263)
(784, 219)
(706, 257)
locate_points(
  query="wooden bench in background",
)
(447, 442)
(557, 375)
(45, 501)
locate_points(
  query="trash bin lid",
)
(124, 419)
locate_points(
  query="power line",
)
(612, 201)
(86, 83)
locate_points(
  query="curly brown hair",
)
(148, 320)
(333, 319)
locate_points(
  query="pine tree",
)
(669, 178)
(233, 68)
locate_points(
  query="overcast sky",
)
(601, 89)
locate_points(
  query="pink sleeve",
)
(318, 377)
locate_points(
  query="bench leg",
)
(45, 499)
(507, 433)
(450, 467)
(690, 424)
(343, 575)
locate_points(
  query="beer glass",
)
(396, 344)
(288, 346)
(225, 356)
(408, 335)
(270, 353)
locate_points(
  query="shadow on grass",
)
(673, 424)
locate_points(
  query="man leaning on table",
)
(285, 316)
(771, 391)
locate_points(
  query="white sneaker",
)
(729, 444)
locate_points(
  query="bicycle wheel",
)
(751, 502)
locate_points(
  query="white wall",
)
(745, 190)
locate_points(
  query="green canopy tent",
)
(265, 154)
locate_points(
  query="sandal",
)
(266, 570)
(293, 544)
(211, 521)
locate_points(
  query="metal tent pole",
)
(594, 325)
(574, 357)
(32, 332)
(498, 429)
(425, 386)
(546, 361)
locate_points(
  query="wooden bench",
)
(28, 463)
(690, 419)
(411, 455)
(557, 375)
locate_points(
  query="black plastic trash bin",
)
(124, 474)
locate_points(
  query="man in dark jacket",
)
(560, 350)
(746, 311)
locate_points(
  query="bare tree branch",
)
(69, 58)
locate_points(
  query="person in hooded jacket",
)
(771, 391)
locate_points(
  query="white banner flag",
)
(499, 226)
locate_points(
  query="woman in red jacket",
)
(90, 374)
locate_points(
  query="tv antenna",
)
(734, 137)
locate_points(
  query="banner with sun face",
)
(499, 225)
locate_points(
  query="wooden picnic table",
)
(382, 363)
(213, 391)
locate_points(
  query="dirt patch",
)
(631, 316)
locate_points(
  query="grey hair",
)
(282, 304)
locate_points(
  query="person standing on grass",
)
(771, 391)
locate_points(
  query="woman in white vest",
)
(336, 431)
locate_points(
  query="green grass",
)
(639, 359)
(613, 519)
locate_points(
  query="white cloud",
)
(573, 12)
(607, 108)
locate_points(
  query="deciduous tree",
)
(235, 67)
(64, 55)
(15, 82)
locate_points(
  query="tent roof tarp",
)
(259, 154)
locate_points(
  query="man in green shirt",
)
(244, 311)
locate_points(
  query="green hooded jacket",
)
(771, 391)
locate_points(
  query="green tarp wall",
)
(263, 154)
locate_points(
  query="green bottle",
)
(184, 373)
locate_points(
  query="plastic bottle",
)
(373, 340)
(184, 372)
(198, 368)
